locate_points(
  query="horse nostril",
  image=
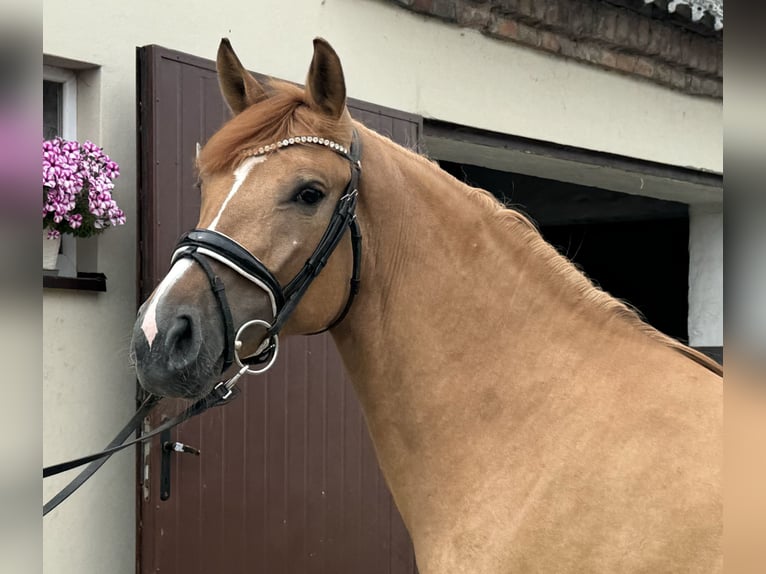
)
(182, 340)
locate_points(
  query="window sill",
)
(83, 282)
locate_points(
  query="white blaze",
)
(240, 174)
(149, 324)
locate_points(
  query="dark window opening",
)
(53, 96)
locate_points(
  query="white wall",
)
(706, 275)
(391, 57)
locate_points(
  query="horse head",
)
(278, 184)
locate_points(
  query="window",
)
(60, 119)
(59, 103)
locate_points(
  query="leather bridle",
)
(203, 244)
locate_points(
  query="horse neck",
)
(460, 313)
(446, 270)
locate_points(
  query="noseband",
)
(203, 244)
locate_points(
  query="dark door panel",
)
(287, 480)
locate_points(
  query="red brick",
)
(632, 37)
(687, 52)
(423, 6)
(713, 88)
(695, 85)
(711, 59)
(666, 41)
(675, 49)
(625, 63)
(582, 19)
(644, 25)
(719, 61)
(707, 58)
(550, 41)
(473, 16)
(525, 8)
(503, 27)
(644, 67)
(561, 16)
(606, 26)
(539, 9)
(444, 9)
(678, 80)
(567, 47)
(606, 58)
(507, 6)
(623, 21)
(657, 40)
(694, 52)
(528, 35)
(588, 52)
(663, 73)
(551, 16)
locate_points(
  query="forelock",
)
(285, 113)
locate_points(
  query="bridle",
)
(203, 244)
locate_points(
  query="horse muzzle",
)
(175, 359)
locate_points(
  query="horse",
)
(524, 419)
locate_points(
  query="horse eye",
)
(309, 196)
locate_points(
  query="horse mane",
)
(562, 267)
(284, 113)
(592, 295)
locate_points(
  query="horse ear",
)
(238, 86)
(325, 86)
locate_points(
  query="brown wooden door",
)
(287, 481)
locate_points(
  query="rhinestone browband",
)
(296, 140)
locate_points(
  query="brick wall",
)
(592, 31)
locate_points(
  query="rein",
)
(202, 244)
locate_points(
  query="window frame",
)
(67, 259)
(69, 98)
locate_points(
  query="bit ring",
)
(272, 341)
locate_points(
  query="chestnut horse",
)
(525, 421)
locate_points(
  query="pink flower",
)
(71, 170)
(75, 220)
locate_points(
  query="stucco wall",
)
(706, 275)
(391, 57)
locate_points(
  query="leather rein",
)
(203, 244)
